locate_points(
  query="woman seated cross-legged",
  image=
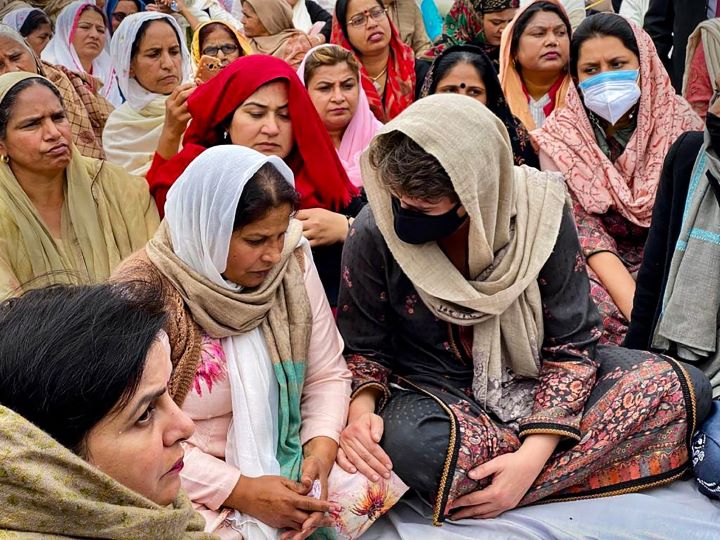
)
(91, 441)
(472, 338)
(258, 359)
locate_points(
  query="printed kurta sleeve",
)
(593, 235)
(207, 479)
(326, 393)
(572, 329)
(364, 308)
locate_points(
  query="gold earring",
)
(4, 159)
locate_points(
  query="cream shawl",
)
(130, 137)
(107, 215)
(132, 132)
(47, 491)
(277, 18)
(515, 215)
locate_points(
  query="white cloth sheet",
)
(677, 511)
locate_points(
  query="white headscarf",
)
(15, 19)
(123, 39)
(199, 213)
(301, 17)
(60, 51)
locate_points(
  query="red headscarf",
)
(400, 85)
(319, 175)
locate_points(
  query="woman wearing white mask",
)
(154, 72)
(610, 143)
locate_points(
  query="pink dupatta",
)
(359, 132)
(630, 184)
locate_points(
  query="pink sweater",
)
(207, 478)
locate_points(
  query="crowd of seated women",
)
(249, 248)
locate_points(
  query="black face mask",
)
(417, 228)
(712, 123)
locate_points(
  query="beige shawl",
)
(46, 491)
(277, 18)
(107, 215)
(223, 312)
(515, 215)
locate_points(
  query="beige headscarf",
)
(515, 215)
(106, 216)
(277, 18)
(47, 491)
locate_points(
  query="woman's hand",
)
(512, 475)
(177, 117)
(319, 458)
(322, 227)
(276, 501)
(163, 6)
(177, 114)
(360, 449)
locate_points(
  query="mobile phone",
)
(209, 67)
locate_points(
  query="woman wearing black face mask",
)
(469, 328)
(676, 301)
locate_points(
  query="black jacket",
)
(660, 244)
(319, 14)
(670, 23)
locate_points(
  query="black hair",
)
(35, 20)
(341, 14)
(407, 169)
(482, 66)
(267, 189)
(7, 105)
(524, 19)
(143, 30)
(205, 30)
(601, 25)
(71, 355)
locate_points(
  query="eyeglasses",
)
(377, 13)
(226, 49)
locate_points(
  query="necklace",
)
(374, 80)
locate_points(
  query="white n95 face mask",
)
(612, 93)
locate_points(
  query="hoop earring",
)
(4, 159)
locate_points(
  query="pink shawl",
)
(629, 185)
(359, 132)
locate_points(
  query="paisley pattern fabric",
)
(629, 183)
